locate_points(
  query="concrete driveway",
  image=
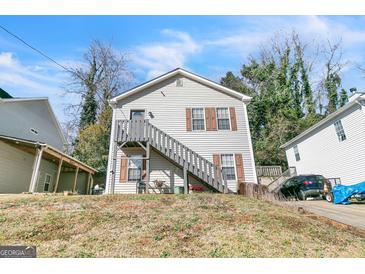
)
(353, 214)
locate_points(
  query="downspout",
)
(36, 165)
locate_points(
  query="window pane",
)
(134, 168)
(227, 160)
(223, 124)
(134, 174)
(197, 113)
(222, 113)
(46, 187)
(228, 173)
(296, 153)
(198, 124)
(340, 131)
(223, 118)
(135, 163)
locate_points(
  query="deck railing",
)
(268, 171)
(143, 131)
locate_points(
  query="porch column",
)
(186, 186)
(36, 165)
(88, 183)
(148, 168)
(58, 175)
(75, 179)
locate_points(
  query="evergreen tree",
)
(331, 84)
(89, 110)
(343, 98)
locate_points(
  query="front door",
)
(136, 129)
(137, 114)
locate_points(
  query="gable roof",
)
(42, 99)
(190, 75)
(323, 121)
(4, 94)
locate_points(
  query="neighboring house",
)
(31, 150)
(179, 129)
(334, 147)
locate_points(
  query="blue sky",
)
(206, 45)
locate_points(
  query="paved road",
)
(353, 214)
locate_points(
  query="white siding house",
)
(334, 147)
(202, 116)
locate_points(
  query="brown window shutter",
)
(217, 162)
(213, 116)
(188, 119)
(208, 124)
(210, 119)
(239, 168)
(123, 170)
(232, 113)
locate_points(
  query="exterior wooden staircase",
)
(275, 185)
(145, 133)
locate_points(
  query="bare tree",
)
(331, 81)
(104, 71)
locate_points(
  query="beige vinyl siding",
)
(15, 169)
(168, 105)
(46, 167)
(67, 181)
(322, 153)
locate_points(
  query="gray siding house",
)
(334, 147)
(179, 129)
(31, 150)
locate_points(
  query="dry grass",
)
(198, 225)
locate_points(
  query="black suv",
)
(303, 186)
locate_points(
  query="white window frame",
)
(135, 157)
(340, 131)
(234, 165)
(192, 124)
(296, 152)
(49, 184)
(229, 119)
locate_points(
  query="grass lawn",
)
(198, 225)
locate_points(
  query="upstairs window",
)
(227, 164)
(223, 119)
(198, 118)
(296, 153)
(340, 131)
(135, 168)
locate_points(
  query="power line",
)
(33, 48)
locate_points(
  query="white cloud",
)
(34, 80)
(158, 58)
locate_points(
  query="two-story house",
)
(179, 129)
(334, 147)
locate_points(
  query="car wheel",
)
(329, 197)
(302, 195)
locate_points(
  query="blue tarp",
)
(341, 193)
